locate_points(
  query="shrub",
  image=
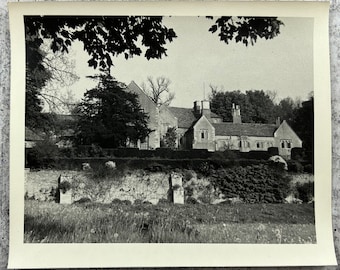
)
(156, 167)
(95, 151)
(83, 200)
(138, 202)
(187, 175)
(205, 168)
(43, 154)
(191, 200)
(226, 154)
(294, 166)
(163, 201)
(273, 151)
(121, 202)
(170, 138)
(305, 191)
(297, 153)
(308, 168)
(253, 184)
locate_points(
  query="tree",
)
(105, 37)
(36, 78)
(170, 138)
(286, 109)
(256, 106)
(246, 29)
(261, 107)
(158, 90)
(109, 115)
(221, 103)
(303, 125)
(61, 68)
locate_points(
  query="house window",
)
(245, 144)
(286, 144)
(204, 134)
(258, 145)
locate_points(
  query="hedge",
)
(261, 183)
(168, 153)
(201, 165)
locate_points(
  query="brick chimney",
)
(236, 113)
(206, 108)
(278, 122)
(197, 108)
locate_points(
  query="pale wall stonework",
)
(208, 142)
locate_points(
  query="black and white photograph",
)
(144, 129)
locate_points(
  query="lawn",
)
(48, 222)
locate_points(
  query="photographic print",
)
(231, 163)
(183, 129)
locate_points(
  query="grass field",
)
(48, 222)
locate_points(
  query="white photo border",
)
(24, 255)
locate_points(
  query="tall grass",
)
(49, 222)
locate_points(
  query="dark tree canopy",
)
(256, 105)
(170, 138)
(286, 110)
(246, 29)
(303, 124)
(36, 78)
(107, 36)
(109, 115)
(103, 37)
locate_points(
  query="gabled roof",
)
(31, 136)
(244, 129)
(186, 116)
(133, 87)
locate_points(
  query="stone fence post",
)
(64, 189)
(176, 180)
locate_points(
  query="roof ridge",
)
(139, 88)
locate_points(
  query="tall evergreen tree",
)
(109, 115)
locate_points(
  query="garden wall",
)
(133, 186)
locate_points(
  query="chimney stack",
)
(278, 121)
(236, 113)
(206, 108)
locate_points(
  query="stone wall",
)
(135, 185)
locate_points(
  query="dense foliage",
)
(246, 29)
(262, 183)
(105, 37)
(303, 124)
(170, 138)
(256, 106)
(110, 116)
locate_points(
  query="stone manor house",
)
(199, 128)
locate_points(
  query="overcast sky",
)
(197, 58)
